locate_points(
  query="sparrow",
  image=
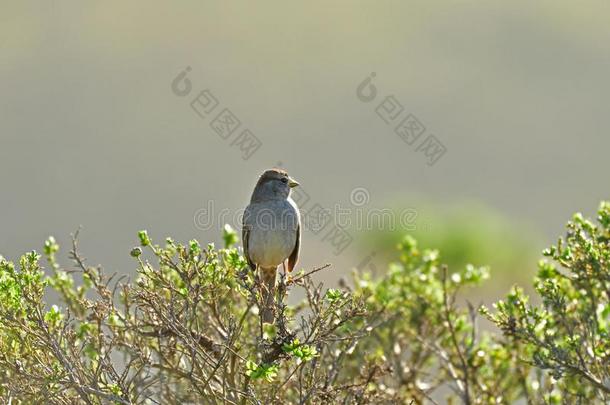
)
(271, 233)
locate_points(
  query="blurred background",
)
(97, 128)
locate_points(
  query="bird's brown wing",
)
(294, 256)
(245, 237)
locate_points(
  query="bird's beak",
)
(292, 182)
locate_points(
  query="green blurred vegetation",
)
(466, 233)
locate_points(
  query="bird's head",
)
(273, 184)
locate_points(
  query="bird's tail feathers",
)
(268, 293)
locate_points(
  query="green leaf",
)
(144, 239)
(229, 236)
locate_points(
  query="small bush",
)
(188, 331)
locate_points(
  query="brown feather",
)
(245, 236)
(294, 256)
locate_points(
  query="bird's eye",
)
(284, 180)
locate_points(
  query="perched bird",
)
(271, 232)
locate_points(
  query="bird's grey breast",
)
(273, 227)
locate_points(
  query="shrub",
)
(188, 331)
(567, 338)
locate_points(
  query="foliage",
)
(188, 331)
(568, 336)
(464, 233)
